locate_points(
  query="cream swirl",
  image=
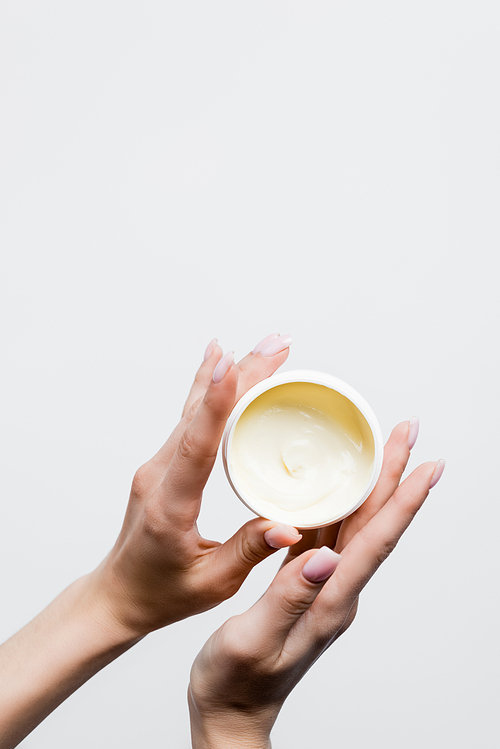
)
(303, 448)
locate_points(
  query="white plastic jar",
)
(302, 448)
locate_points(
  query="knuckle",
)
(292, 605)
(141, 482)
(218, 408)
(195, 447)
(191, 411)
(153, 521)
(238, 644)
(385, 550)
(186, 448)
(249, 553)
(294, 595)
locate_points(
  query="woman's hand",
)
(160, 569)
(246, 670)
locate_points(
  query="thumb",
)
(253, 542)
(291, 594)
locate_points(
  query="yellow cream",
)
(302, 453)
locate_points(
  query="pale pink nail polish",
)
(265, 340)
(321, 565)
(275, 346)
(413, 432)
(274, 536)
(438, 472)
(223, 366)
(210, 349)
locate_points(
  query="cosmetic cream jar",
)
(302, 448)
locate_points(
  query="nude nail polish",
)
(264, 341)
(210, 349)
(273, 536)
(320, 566)
(438, 472)
(223, 366)
(276, 346)
(413, 432)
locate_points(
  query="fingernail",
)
(210, 349)
(413, 431)
(265, 340)
(275, 346)
(223, 366)
(321, 565)
(274, 537)
(438, 472)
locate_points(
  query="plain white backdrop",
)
(173, 171)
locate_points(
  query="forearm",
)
(50, 658)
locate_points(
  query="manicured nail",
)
(413, 432)
(210, 349)
(438, 472)
(265, 340)
(223, 366)
(275, 346)
(321, 565)
(281, 536)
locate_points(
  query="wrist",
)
(229, 729)
(99, 606)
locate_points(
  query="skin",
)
(160, 569)
(243, 674)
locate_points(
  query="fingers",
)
(281, 536)
(308, 541)
(158, 464)
(314, 539)
(213, 354)
(338, 535)
(263, 361)
(328, 536)
(195, 453)
(334, 609)
(396, 456)
(291, 593)
(375, 541)
(193, 444)
(253, 542)
(223, 383)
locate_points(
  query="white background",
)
(174, 171)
